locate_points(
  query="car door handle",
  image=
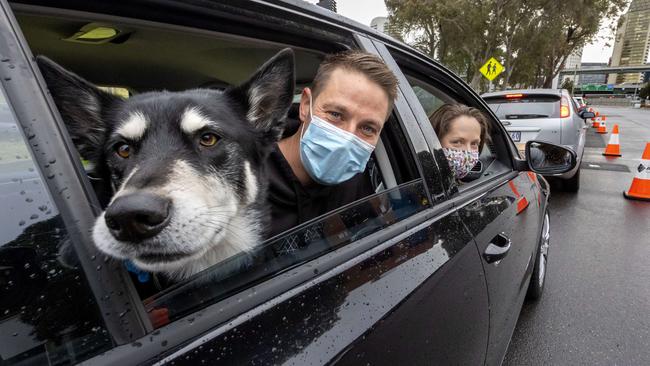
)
(497, 249)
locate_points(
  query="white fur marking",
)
(193, 120)
(251, 183)
(134, 127)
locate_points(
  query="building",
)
(573, 62)
(383, 25)
(586, 79)
(632, 42)
(328, 4)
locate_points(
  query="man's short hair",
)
(364, 63)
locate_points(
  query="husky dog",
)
(186, 168)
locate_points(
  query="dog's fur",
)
(217, 194)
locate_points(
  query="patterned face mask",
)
(461, 161)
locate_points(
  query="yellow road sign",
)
(491, 69)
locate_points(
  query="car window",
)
(48, 315)
(524, 107)
(304, 243)
(399, 190)
(493, 157)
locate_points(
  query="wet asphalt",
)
(595, 309)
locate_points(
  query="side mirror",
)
(584, 114)
(549, 159)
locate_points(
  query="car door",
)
(396, 271)
(499, 206)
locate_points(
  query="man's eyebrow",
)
(335, 106)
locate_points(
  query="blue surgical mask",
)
(331, 155)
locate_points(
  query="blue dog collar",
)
(142, 275)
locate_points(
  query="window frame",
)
(425, 71)
(31, 105)
(80, 210)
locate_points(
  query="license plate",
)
(515, 135)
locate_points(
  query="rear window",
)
(525, 107)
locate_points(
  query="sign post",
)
(491, 69)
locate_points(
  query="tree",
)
(567, 84)
(534, 38)
(644, 92)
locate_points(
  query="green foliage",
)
(644, 92)
(567, 84)
(532, 38)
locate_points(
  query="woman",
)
(462, 131)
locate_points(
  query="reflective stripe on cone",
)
(640, 188)
(613, 146)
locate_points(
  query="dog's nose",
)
(137, 216)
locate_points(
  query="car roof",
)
(558, 92)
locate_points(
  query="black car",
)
(436, 275)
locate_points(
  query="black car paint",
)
(418, 296)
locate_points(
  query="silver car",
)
(547, 115)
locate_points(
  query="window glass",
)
(301, 244)
(526, 107)
(48, 315)
(432, 98)
(147, 60)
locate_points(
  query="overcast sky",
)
(363, 11)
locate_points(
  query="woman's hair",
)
(442, 118)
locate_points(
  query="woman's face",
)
(464, 134)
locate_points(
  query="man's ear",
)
(268, 94)
(81, 105)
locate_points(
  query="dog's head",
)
(185, 167)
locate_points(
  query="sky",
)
(363, 11)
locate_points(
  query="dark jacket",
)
(292, 203)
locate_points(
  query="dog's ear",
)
(81, 105)
(268, 94)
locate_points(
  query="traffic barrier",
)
(640, 188)
(522, 202)
(613, 147)
(596, 122)
(602, 127)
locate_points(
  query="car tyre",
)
(572, 184)
(538, 278)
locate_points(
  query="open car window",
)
(146, 58)
(493, 156)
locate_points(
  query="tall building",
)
(573, 62)
(328, 4)
(383, 25)
(632, 41)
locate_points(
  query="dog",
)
(186, 168)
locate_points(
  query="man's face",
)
(351, 102)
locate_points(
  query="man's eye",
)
(208, 139)
(123, 150)
(335, 115)
(369, 130)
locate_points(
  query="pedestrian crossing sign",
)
(491, 69)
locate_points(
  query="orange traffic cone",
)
(613, 146)
(640, 188)
(596, 122)
(522, 202)
(602, 127)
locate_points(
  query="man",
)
(322, 166)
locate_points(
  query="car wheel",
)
(538, 278)
(572, 184)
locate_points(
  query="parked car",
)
(580, 102)
(547, 115)
(436, 275)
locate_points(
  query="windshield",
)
(525, 107)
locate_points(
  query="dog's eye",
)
(123, 150)
(208, 139)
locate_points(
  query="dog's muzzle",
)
(137, 216)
